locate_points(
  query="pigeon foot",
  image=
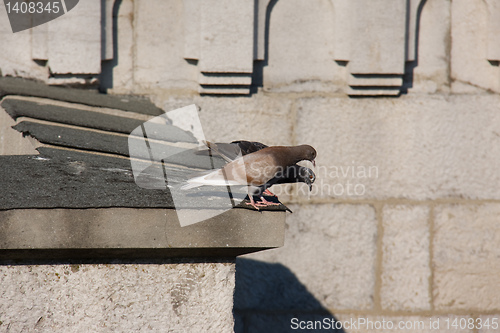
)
(264, 202)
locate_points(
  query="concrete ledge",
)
(79, 200)
(134, 234)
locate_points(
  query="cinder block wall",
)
(402, 223)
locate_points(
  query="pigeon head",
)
(306, 152)
(307, 176)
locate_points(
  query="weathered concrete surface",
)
(405, 249)
(467, 257)
(160, 296)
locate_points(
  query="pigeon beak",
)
(310, 187)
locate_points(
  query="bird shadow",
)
(268, 297)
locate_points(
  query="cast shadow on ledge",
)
(268, 297)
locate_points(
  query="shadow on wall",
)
(269, 298)
(106, 76)
(410, 66)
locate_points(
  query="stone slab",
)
(224, 90)
(228, 80)
(24, 87)
(72, 116)
(75, 137)
(112, 121)
(374, 81)
(373, 91)
(60, 178)
(63, 234)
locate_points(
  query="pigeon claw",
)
(269, 193)
(253, 203)
(264, 202)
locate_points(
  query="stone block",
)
(470, 67)
(157, 54)
(375, 38)
(192, 27)
(72, 49)
(123, 71)
(224, 53)
(16, 51)
(466, 257)
(107, 52)
(434, 42)
(493, 28)
(331, 250)
(415, 147)
(378, 34)
(405, 259)
(299, 58)
(222, 49)
(168, 296)
(155, 232)
(39, 42)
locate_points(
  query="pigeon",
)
(292, 174)
(257, 168)
(231, 151)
